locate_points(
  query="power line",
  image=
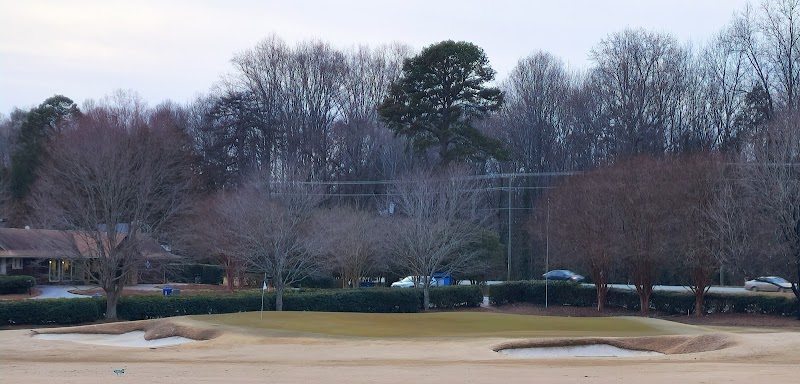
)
(490, 176)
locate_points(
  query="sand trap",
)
(593, 350)
(129, 339)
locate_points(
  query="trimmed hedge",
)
(16, 284)
(357, 300)
(74, 311)
(562, 293)
(558, 293)
(368, 300)
(454, 296)
(51, 311)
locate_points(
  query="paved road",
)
(678, 288)
(59, 291)
(673, 288)
(62, 291)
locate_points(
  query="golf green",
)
(446, 324)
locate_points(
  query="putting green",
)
(447, 324)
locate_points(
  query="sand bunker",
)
(593, 350)
(146, 333)
(618, 347)
(128, 339)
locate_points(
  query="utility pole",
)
(546, 251)
(508, 242)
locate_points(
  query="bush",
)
(356, 300)
(454, 296)
(372, 300)
(317, 282)
(151, 307)
(534, 292)
(16, 284)
(51, 311)
(194, 273)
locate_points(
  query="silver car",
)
(768, 284)
(413, 282)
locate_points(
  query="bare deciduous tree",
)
(641, 193)
(353, 241)
(533, 114)
(584, 226)
(697, 181)
(114, 179)
(774, 184)
(273, 229)
(204, 234)
(641, 79)
(437, 227)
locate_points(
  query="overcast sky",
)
(175, 49)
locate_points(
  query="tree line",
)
(295, 136)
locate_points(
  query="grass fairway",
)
(446, 324)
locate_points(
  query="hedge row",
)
(372, 300)
(454, 296)
(16, 284)
(562, 293)
(51, 311)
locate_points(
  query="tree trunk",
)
(426, 297)
(279, 287)
(644, 301)
(229, 275)
(796, 287)
(112, 299)
(699, 298)
(602, 292)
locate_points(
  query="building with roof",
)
(53, 256)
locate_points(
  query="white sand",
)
(592, 350)
(130, 339)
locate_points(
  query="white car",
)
(412, 282)
(768, 284)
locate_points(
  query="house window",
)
(16, 263)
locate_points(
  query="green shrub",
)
(369, 300)
(454, 296)
(350, 300)
(197, 273)
(535, 292)
(50, 311)
(150, 307)
(16, 284)
(318, 282)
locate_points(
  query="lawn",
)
(446, 324)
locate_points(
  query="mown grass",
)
(445, 324)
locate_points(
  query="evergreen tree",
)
(30, 143)
(439, 96)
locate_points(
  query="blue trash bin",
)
(167, 290)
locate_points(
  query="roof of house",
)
(46, 243)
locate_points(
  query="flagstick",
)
(263, 291)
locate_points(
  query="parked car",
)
(412, 282)
(768, 284)
(563, 274)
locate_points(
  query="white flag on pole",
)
(264, 288)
